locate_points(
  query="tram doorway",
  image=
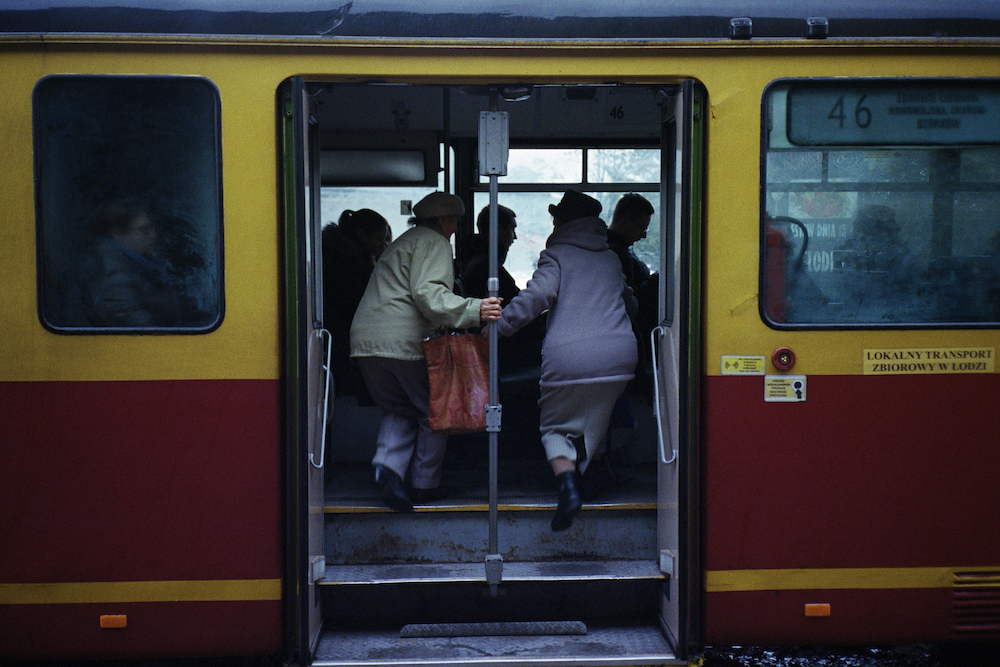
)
(625, 572)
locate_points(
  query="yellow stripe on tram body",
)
(730, 581)
(232, 590)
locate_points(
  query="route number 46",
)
(862, 114)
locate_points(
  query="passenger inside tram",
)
(134, 271)
(629, 224)
(589, 354)
(522, 352)
(350, 249)
(881, 278)
(408, 298)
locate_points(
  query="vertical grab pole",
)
(493, 140)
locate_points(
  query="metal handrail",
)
(654, 337)
(328, 372)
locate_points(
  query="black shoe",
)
(425, 496)
(390, 487)
(570, 500)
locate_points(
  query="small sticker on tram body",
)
(784, 388)
(742, 365)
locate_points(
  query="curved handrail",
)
(654, 337)
(327, 372)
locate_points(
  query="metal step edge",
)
(364, 507)
(600, 647)
(513, 572)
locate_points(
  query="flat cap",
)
(438, 204)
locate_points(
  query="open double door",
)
(672, 438)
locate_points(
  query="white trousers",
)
(405, 441)
(575, 418)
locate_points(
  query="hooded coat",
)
(580, 282)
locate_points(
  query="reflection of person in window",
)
(130, 288)
(875, 246)
(883, 269)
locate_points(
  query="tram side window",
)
(880, 203)
(128, 204)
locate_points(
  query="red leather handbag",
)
(458, 370)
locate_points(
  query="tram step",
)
(457, 535)
(610, 646)
(446, 573)
(599, 593)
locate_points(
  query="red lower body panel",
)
(154, 481)
(874, 472)
(153, 630)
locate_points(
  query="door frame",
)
(306, 371)
(677, 342)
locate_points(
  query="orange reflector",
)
(818, 609)
(114, 620)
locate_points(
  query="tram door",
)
(627, 559)
(675, 344)
(307, 368)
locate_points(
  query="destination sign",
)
(893, 112)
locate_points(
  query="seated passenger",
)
(882, 278)
(128, 285)
(350, 250)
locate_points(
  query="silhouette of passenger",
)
(881, 274)
(129, 286)
(350, 250)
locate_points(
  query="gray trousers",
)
(575, 418)
(405, 441)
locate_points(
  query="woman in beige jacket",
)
(409, 297)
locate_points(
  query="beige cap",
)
(438, 204)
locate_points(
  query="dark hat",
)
(575, 205)
(438, 204)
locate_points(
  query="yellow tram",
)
(807, 454)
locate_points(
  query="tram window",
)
(880, 202)
(537, 177)
(128, 204)
(389, 202)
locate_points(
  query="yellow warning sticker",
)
(738, 365)
(919, 360)
(785, 388)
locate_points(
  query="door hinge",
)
(318, 568)
(668, 562)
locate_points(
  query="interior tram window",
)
(128, 204)
(537, 177)
(880, 203)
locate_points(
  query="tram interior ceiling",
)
(384, 147)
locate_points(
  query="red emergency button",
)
(783, 358)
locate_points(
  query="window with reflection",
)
(880, 203)
(128, 204)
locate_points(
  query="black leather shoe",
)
(570, 500)
(391, 488)
(424, 496)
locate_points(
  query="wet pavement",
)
(913, 655)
